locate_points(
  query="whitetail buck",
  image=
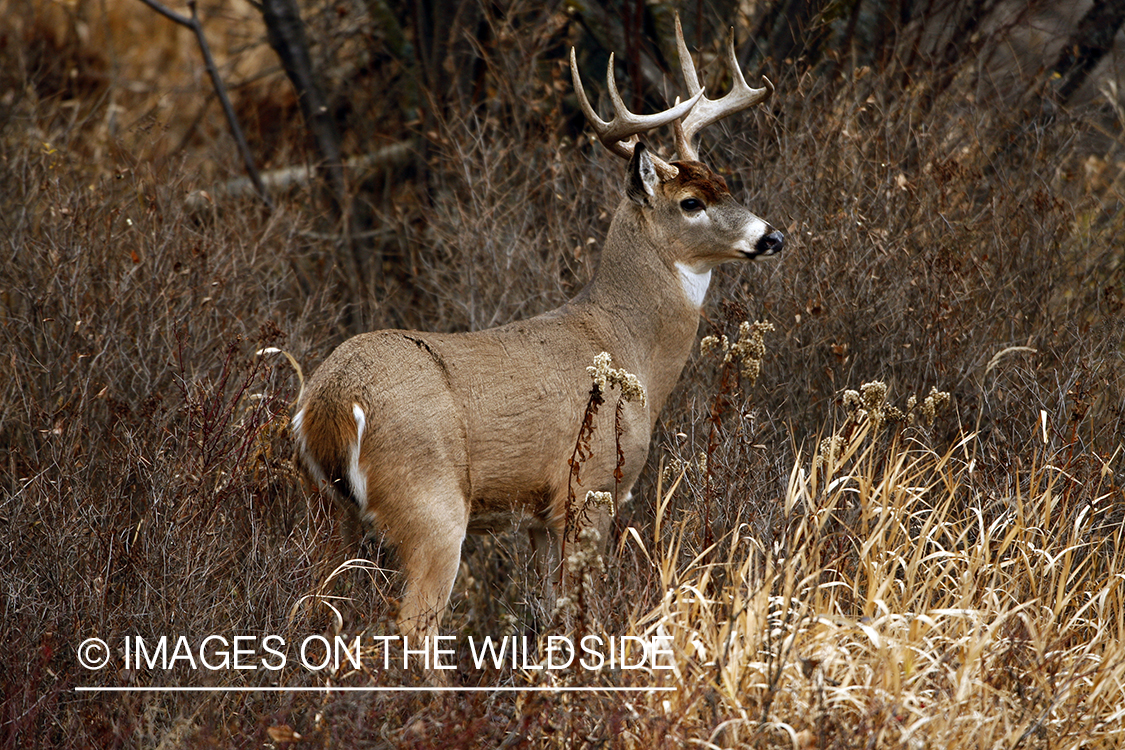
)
(428, 436)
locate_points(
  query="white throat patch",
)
(695, 283)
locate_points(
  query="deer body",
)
(429, 436)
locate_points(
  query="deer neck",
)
(648, 302)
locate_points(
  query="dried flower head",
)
(594, 499)
(894, 414)
(710, 344)
(604, 376)
(872, 403)
(874, 394)
(750, 349)
(829, 452)
(672, 471)
(601, 369)
(934, 402)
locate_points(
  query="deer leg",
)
(351, 538)
(430, 552)
(545, 549)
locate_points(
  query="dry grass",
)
(901, 603)
(954, 583)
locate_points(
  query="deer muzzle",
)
(770, 244)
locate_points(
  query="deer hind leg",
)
(351, 537)
(429, 549)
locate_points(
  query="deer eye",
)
(692, 205)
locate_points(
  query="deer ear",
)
(642, 176)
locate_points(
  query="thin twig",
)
(220, 89)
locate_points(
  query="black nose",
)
(771, 244)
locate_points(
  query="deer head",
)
(688, 204)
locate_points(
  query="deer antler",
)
(619, 135)
(707, 111)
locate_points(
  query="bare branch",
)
(220, 89)
(171, 15)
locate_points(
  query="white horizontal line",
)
(343, 689)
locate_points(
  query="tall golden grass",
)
(904, 603)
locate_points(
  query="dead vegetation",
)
(829, 578)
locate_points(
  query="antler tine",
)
(619, 135)
(687, 65)
(740, 96)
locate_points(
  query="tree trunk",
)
(1091, 41)
(286, 32)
